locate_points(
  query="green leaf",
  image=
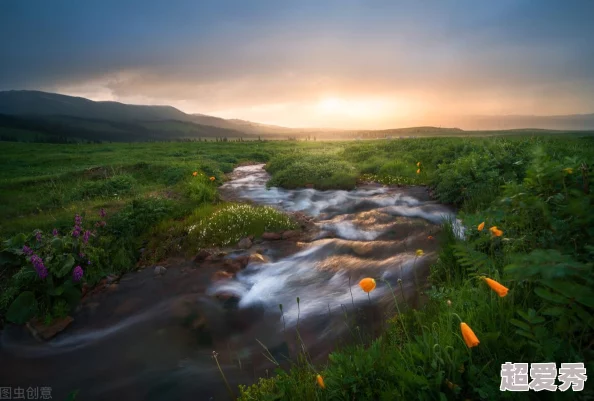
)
(551, 297)
(66, 266)
(56, 291)
(57, 244)
(18, 241)
(23, 308)
(71, 294)
(584, 316)
(554, 311)
(526, 334)
(520, 324)
(8, 258)
(580, 293)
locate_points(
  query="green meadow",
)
(138, 200)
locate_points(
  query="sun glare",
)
(331, 105)
(364, 108)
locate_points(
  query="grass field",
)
(537, 190)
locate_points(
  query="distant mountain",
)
(248, 126)
(36, 103)
(32, 114)
(51, 114)
(42, 104)
(574, 122)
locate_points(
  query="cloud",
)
(274, 61)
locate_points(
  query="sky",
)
(365, 64)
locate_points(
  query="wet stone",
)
(271, 236)
(202, 256)
(244, 243)
(221, 275)
(159, 270)
(290, 234)
(43, 333)
(258, 258)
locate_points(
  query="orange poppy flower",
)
(418, 164)
(419, 171)
(495, 231)
(470, 338)
(481, 226)
(320, 381)
(430, 237)
(451, 386)
(367, 284)
(212, 178)
(195, 173)
(495, 286)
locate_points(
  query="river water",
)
(152, 337)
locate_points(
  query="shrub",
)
(138, 216)
(122, 184)
(322, 172)
(201, 190)
(53, 268)
(230, 223)
(173, 175)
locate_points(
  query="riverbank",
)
(160, 202)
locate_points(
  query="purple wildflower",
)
(102, 213)
(81, 255)
(55, 232)
(77, 220)
(86, 236)
(38, 236)
(89, 262)
(27, 251)
(39, 266)
(75, 233)
(77, 273)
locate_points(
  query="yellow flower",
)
(419, 171)
(418, 164)
(495, 286)
(419, 252)
(320, 381)
(450, 385)
(568, 170)
(212, 178)
(481, 226)
(470, 338)
(367, 284)
(195, 173)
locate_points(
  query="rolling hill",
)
(41, 115)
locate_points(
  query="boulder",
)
(233, 266)
(221, 275)
(43, 333)
(258, 258)
(160, 270)
(229, 300)
(290, 234)
(202, 256)
(244, 243)
(271, 236)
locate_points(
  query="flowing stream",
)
(152, 337)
